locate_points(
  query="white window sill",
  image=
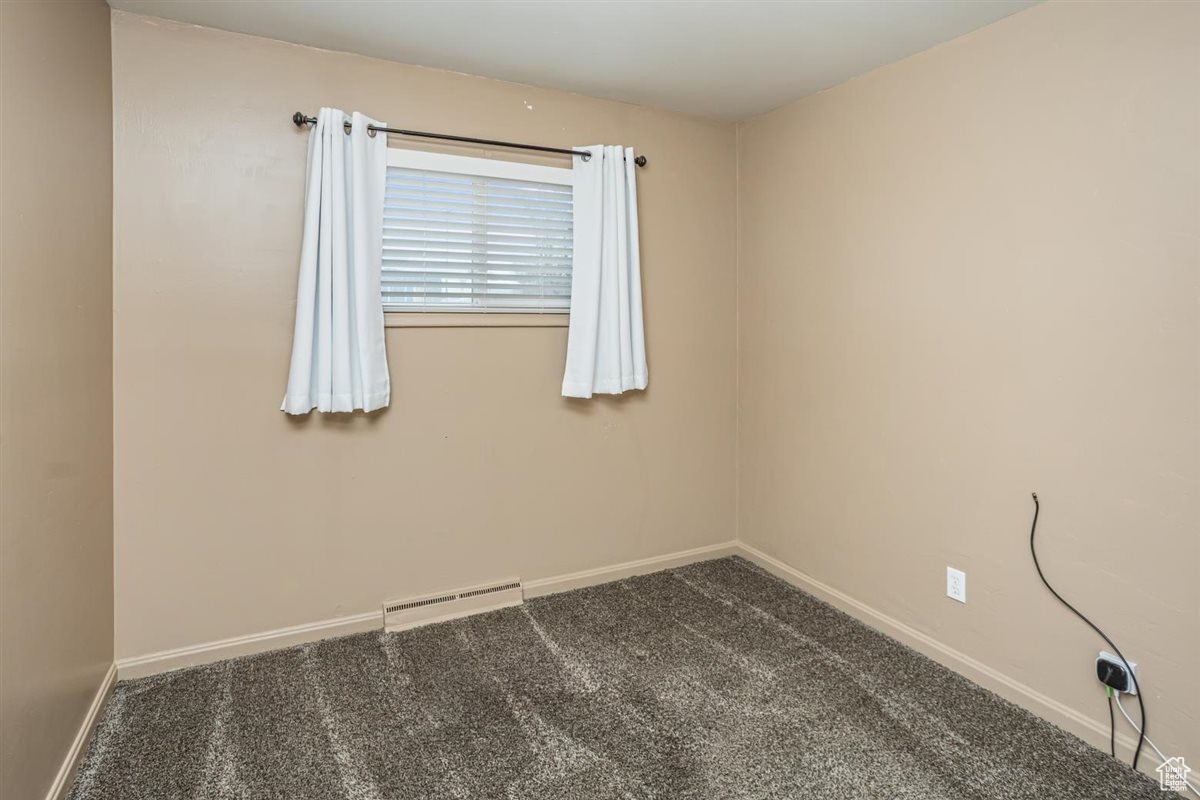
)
(441, 319)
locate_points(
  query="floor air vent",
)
(399, 615)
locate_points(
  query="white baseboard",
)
(209, 652)
(1091, 731)
(615, 572)
(66, 773)
(251, 643)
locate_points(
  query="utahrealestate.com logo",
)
(1172, 774)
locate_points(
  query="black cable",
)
(1112, 728)
(1037, 507)
(1112, 720)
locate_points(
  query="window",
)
(467, 234)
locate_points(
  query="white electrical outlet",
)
(1106, 659)
(956, 584)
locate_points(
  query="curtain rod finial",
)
(300, 119)
(640, 161)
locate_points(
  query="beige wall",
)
(962, 277)
(232, 518)
(967, 276)
(56, 589)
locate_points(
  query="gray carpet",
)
(711, 681)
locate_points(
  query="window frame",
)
(488, 168)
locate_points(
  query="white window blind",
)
(474, 234)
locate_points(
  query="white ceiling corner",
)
(727, 59)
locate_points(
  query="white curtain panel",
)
(338, 357)
(606, 349)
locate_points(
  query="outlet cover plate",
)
(1107, 657)
(956, 584)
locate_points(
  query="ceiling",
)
(727, 59)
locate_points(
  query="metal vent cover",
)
(409, 613)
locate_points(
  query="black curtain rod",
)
(301, 120)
